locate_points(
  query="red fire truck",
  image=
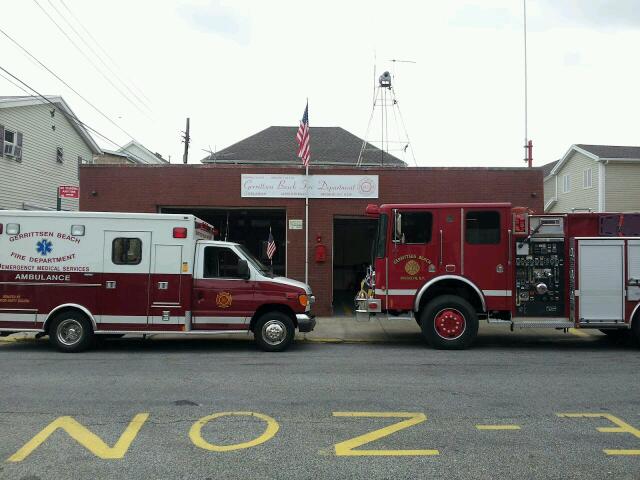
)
(449, 265)
(76, 276)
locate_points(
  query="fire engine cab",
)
(449, 265)
(76, 276)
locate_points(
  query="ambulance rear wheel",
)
(71, 332)
(449, 322)
(274, 331)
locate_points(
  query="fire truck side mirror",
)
(243, 269)
(397, 226)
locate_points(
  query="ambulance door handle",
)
(440, 248)
(110, 284)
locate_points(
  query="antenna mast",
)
(380, 144)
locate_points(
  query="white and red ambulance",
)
(76, 276)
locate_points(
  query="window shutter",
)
(1, 141)
(19, 147)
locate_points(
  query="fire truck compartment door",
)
(601, 280)
(125, 291)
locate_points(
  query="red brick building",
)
(214, 192)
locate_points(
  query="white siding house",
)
(42, 146)
(599, 178)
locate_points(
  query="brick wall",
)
(146, 188)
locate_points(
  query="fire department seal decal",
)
(224, 299)
(412, 267)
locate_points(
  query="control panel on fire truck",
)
(540, 267)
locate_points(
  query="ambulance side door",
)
(124, 301)
(222, 298)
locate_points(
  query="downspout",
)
(601, 185)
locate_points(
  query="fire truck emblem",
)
(44, 247)
(412, 267)
(224, 299)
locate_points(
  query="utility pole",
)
(186, 139)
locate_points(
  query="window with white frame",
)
(566, 183)
(586, 178)
(9, 143)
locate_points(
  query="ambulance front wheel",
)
(71, 332)
(449, 322)
(274, 331)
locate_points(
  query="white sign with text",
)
(320, 186)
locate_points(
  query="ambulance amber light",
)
(303, 299)
(179, 232)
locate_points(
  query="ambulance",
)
(82, 276)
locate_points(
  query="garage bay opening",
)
(352, 241)
(248, 226)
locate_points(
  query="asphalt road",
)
(518, 383)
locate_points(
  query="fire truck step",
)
(551, 323)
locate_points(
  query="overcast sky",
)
(237, 67)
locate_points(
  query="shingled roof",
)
(277, 145)
(611, 151)
(547, 167)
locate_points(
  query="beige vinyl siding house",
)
(52, 146)
(622, 186)
(593, 177)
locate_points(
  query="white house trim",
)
(601, 186)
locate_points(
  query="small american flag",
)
(271, 246)
(302, 137)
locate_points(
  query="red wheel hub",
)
(450, 323)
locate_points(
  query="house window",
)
(566, 184)
(59, 156)
(9, 143)
(586, 178)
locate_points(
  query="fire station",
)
(257, 186)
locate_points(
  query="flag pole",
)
(306, 222)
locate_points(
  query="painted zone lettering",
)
(84, 437)
(195, 433)
(348, 447)
(622, 427)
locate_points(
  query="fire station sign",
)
(319, 186)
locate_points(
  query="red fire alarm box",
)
(321, 251)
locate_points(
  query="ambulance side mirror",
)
(243, 269)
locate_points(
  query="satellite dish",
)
(385, 80)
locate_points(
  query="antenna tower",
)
(391, 137)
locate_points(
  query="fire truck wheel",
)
(71, 332)
(449, 322)
(274, 331)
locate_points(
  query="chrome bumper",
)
(306, 322)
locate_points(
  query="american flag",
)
(302, 137)
(271, 246)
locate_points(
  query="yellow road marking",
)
(622, 427)
(84, 437)
(498, 427)
(195, 433)
(347, 448)
(578, 333)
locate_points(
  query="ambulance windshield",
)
(257, 264)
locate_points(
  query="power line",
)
(64, 82)
(98, 56)
(113, 62)
(89, 59)
(68, 114)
